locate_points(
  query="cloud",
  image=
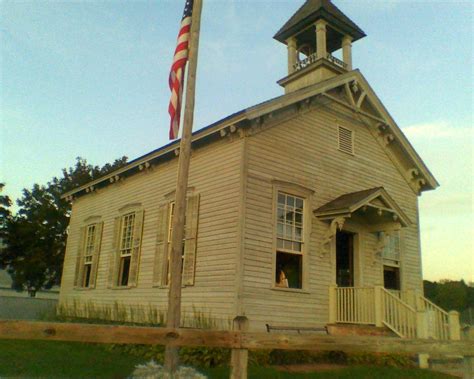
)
(436, 130)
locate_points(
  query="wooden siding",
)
(235, 178)
(215, 175)
(304, 150)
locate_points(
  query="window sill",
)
(293, 290)
(84, 288)
(159, 286)
(122, 288)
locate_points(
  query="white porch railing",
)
(355, 305)
(436, 318)
(398, 315)
(406, 313)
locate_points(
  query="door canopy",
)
(373, 207)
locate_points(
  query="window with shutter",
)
(346, 140)
(163, 250)
(124, 262)
(88, 255)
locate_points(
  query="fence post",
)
(332, 304)
(379, 308)
(239, 357)
(454, 326)
(422, 332)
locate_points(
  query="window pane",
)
(288, 270)
(391, 278)
(124, 271)
(298, 219)
(280, 230)
(281, 214)
(298, 234)
(87, 275)
(291, 201)
(299, 204)
(288, 230)
(281, 199)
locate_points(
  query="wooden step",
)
(358, 330)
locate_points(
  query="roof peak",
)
(313, 10)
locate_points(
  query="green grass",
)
(62, 360)
(346, 373)
(21, 358)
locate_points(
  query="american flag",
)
(176, 78)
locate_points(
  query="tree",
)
(5, 215)
(450, 294)
(37, 233)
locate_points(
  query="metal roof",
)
(313, 10)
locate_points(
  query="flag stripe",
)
(176, 77)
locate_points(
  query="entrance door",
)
(344, 259)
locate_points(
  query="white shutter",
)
(137, 242)
(192, 221)
(114, 254)
(161, 251)
(95, 258)
(80, 257)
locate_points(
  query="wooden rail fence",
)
(239, 340)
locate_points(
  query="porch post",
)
(454, 326)
(332, 304)
(422, 332)
(379, 308)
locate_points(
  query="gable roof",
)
(242, 118)
(352, 202)
(313, 10)
(346, 201)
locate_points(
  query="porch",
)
(408, 314)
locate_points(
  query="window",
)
(88, 255)
(161, 271)
(391, 262)
(391, 251)
(124, 261)
(346, 140)
(126, 240)
(289, 254)
(391, 277)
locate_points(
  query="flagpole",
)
(174, 297)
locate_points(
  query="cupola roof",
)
(313, 10)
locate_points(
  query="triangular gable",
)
(377, 199)
(352, 90)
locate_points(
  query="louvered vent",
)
(346, 140)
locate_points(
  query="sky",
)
(89, 79)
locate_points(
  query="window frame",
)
(393, 263)
(125, 247)
(304, 193)
(132, 252)
(89, 251)
(88, 256)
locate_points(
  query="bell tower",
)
(312, 35)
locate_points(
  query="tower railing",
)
(312, 58)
